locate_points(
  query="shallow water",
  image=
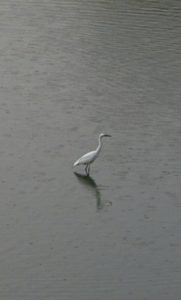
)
(70, 70)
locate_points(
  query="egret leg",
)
(86, 169)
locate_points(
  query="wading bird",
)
(89, 157)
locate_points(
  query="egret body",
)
(90, 157)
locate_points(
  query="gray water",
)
(70, 70)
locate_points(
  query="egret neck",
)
(99, 145)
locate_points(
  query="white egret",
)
(89, 157)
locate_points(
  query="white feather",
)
(86, 158)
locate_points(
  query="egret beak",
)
(108, 135)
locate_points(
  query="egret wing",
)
(86, 158)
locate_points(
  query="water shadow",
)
(90, 184)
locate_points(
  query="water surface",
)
(70, 70)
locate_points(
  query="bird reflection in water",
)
(90, 184)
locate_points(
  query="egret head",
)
(104, 134)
